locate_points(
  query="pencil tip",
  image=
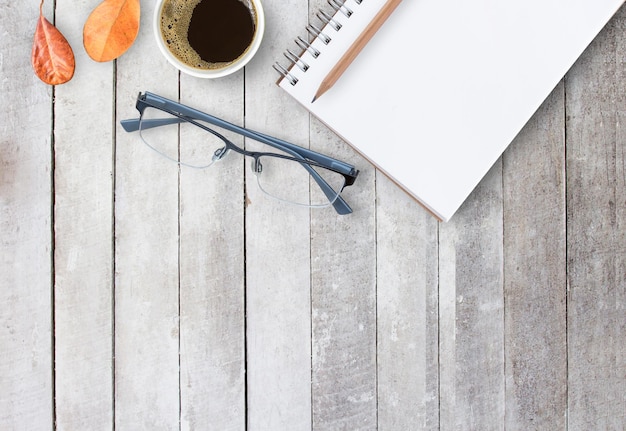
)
(319, 93)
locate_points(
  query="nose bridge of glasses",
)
(257, 166)
(220, 153)
(295, 151)
(300, 155)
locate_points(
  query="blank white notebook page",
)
(445, 85)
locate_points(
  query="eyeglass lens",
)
(280, 178)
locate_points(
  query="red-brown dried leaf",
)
(52, 56)
(111, 29)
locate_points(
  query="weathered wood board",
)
(138, 294)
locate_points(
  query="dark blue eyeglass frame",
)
(307, 158)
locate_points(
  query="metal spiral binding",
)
(285, 73)
(307, 46)
(296, 60)
(317, 33)
(340, 7)
(327, 19)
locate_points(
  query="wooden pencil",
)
(356, 48)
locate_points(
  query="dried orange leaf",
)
(52, 56)
(111, 29)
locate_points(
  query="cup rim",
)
(211, 73)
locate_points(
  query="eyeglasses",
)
(178, 133)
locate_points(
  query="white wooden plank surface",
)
(212, 350)
(188, 300)
(26, 194)
(471, 311)
(278, 255)
(146, 251)
(407, 307)
(83, 232)
(343, 303)
(535, 285)
(596, 154)
(343, 297)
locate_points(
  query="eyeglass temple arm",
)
(322, 159)
(132, 125)
(340, 205)
(333, 196)
(150, 99)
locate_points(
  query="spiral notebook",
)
(444, 86)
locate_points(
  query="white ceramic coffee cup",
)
(217, 72)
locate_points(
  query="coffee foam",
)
(175, 20)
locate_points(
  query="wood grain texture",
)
(84, 148)
(535, 285)
(343, 302)
(278, 256)
(147, 270)
(188, 300)
(212, 264)
(471, 311)
(343, 296)
(407, 309)
(26, 373)
(596, 232)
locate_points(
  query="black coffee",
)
(208, 34)
(220, 30)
